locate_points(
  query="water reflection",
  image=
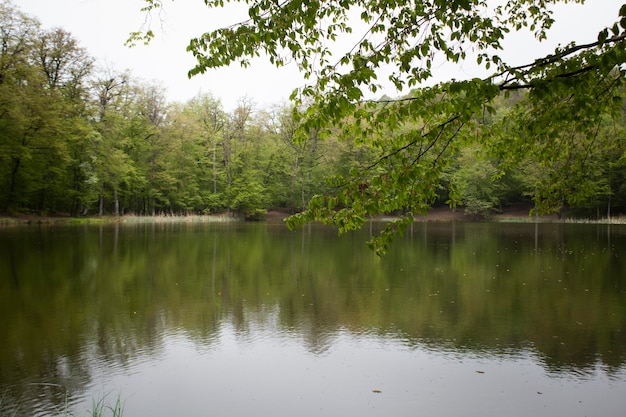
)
(170, 315)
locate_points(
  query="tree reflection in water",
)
(83, 305)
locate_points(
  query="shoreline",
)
(439, 214)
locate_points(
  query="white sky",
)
(102, 27)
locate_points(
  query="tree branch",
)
(550, 59)
(542, 62)
(505, 87)
(440, 126)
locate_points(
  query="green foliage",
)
(549, 133)
(477, 184)
(417, 135)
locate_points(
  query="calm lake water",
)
(459, 319)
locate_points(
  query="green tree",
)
(109, 159)
(18, 79)
(572, 169)
(243, 189)
(476, 184)
(188, 160)
(298, 163)
(43, 91)
(207, 113)
(568, 89)
(149, 148)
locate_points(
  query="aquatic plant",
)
(99, 408)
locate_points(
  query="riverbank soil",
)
(443, 214)
(437, 214)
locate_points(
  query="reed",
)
(126, 219)
(8, 410)
(164, 218)
(568, 220)
(612, 220)
(99, 408)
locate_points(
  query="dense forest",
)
(81, 139)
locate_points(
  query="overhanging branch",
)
(542, 62)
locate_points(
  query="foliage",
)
(416, 135)
(476, 184)
(80, 139)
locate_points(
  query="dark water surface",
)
(252, 320)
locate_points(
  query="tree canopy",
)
(349, 48)
(79, 139)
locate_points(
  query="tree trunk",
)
(294, 176)
(14, 171)
(116, 203)
(75, 209)
(215, 168)
(101, 201)
(310, 169)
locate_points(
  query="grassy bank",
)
(25, 220)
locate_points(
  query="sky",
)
(102, 27)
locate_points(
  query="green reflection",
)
(74, 295)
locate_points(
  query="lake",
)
(459, 319)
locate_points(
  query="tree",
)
(108, 158)
(276, 126)
(235, 144)
(206, 111)
(297, 160)
(476, 185)
(414, 135)
(18, 79)
(42, 112)
(578, 178)
(65, 68)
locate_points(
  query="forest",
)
(80, 139)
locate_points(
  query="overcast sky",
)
(102, 27)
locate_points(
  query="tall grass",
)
(612, 220)
(99, 408)
(132, 219)
(569, 220)
(126, 219)
(10, 411)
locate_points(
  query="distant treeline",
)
(82, 140)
